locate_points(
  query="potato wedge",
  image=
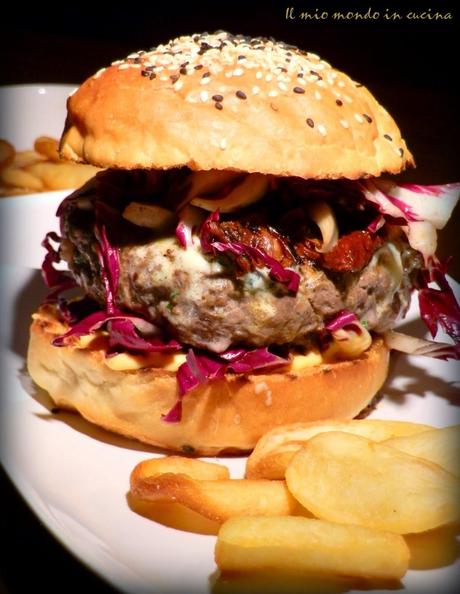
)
(197, 469)
(441, 446)
(309, 545)
(217, 500)
(276, 448)
(347, 478)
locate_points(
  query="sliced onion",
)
(208, 182)
(321, 213)
(253, 187)
(151, 216)
(419, 346)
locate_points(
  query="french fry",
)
(217, 500)
(441, 446)
(62, 176)
(7, 153)
(197, 469)
(47, 147)
(311, 546)
(39, 170)
(18, 178)
(276, 448)
(347, 478)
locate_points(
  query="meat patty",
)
(208, 301)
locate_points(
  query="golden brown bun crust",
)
(268, 119)
(226, 415)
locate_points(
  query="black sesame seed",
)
(218, 105)
(174, 78)
(198, 66)
(240, 95)
(183, 70)
(300, 75)
(401, 151)
(299, 90)
(339, 103)
(241, 57)
(310, 122)
(145, 73)
(217, 98)
(358, 85)
(152, 75)
(367, 118)
(184, 64)
(388, 137)
(206, 74)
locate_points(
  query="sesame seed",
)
(152, 75)
(298, 90)
(240, 95)
(205, 81)
(367, 118)
(359, 118)
(388, 137)
(217, 98)
(178, 85)
(198, 66)
(322, 130)
(117, 62)
(310, 122)
(163, 77)
(218, 105)
(269, 77)
(183, 70)
(282, 86)
(341, 84)
(241, 57)
(229, 74)
(339, 103)
(344, 123)
(238, 72)
(123, 67)
(255, 90)
(259, 75)
(204, 96)
(206, 74)
(223, 144)
(99, 72)
(318, 95)
(174, 78)
(273, 93)
(401, 152)
(348, 99)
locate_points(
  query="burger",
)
(241, 262)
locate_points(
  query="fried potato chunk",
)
(309, 545)
(347, 478)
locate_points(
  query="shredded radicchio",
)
(200, 369)
(439, 307)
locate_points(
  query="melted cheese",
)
(311, 359)
(129, 362)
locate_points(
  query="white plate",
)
(75, 476)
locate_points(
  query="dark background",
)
(411, 66)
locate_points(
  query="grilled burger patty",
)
(213, 301)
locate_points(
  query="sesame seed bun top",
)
(219, 101)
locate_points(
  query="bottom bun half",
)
(228, 415)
